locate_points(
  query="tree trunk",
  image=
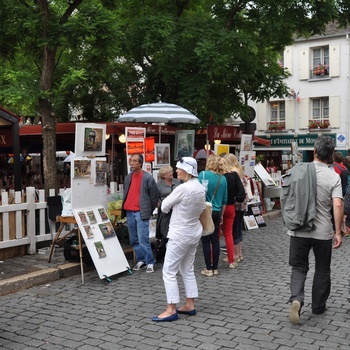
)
(48, 120)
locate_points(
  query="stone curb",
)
(40, 277)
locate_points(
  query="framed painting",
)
(90, 139)
(220, 149)
(135, 133)
(184, 144)
(162, 154)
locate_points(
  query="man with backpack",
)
(316, 234)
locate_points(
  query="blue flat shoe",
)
(189, 313)
(165, 319)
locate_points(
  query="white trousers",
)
(179, 257)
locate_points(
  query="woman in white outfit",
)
(187, 202)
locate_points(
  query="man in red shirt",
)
(141, 196)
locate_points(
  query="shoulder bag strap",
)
(216, 188)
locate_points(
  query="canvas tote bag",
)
(206, 218)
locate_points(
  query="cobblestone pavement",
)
(245, 308)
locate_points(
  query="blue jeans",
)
(139, 237)
(211, 244)
(299, 261)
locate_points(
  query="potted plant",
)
(324, 124)
(319, 124)
(313, 124)
(320, 69)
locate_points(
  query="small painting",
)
(184, 143)
(135, 147)
(93, 138)
(135, 133)
(107, 230)
(83, 218)
(91, 215)
(88, 231)
(162, 154)
(102, 213)
(149, 149)
(100, 249)
(82, 168)
(250, 222)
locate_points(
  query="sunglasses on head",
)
(182, 161)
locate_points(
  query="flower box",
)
(276, 126)
(320, 69)
(319, 124)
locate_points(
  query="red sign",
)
(223, 133)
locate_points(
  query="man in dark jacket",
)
(141, 196)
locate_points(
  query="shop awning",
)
(260, 141)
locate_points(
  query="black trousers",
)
(299, 261)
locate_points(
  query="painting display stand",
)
(101, 240)
(64, 220)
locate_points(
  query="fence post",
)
(31, 220)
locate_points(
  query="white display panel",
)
(101, 240)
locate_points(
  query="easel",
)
(68, 220)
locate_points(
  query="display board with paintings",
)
(101, 240)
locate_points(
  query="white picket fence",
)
(26, 223)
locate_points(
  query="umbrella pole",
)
(160, 133)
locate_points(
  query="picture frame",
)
(184, 144)
(90, 139)
(135, 147)
(132, 133)
(250, 222)
(162, 154)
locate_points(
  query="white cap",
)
(189, 165)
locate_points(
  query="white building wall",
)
(336, 86)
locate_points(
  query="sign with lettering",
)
(5, 137)
(305, 140)
(223, 133)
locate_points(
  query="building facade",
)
(318, 100)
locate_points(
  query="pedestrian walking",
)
(319, 239)
(187, 202)
(141, 197)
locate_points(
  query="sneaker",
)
(294, 313)
(233, 265)
(208, 273)
(215, 272)
(225, 259)
(139, 266)
(150, 268)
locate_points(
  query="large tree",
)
(105, 56)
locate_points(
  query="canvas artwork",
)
(100, 178)
(82, 168)
(250, 222)
(162, 154)
(93, 138)
(91, 215)
(83, 218)
(102, 213)
(100, 250)
(135, 147)
(101, 165)
(260, 221)
(149, 149)
(256, 210)
(184, 143)
(107, 229)
(88, 231)
(135, 133)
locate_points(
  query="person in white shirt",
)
(187, 202)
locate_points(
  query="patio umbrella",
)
(159, 112)
(202, 154)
